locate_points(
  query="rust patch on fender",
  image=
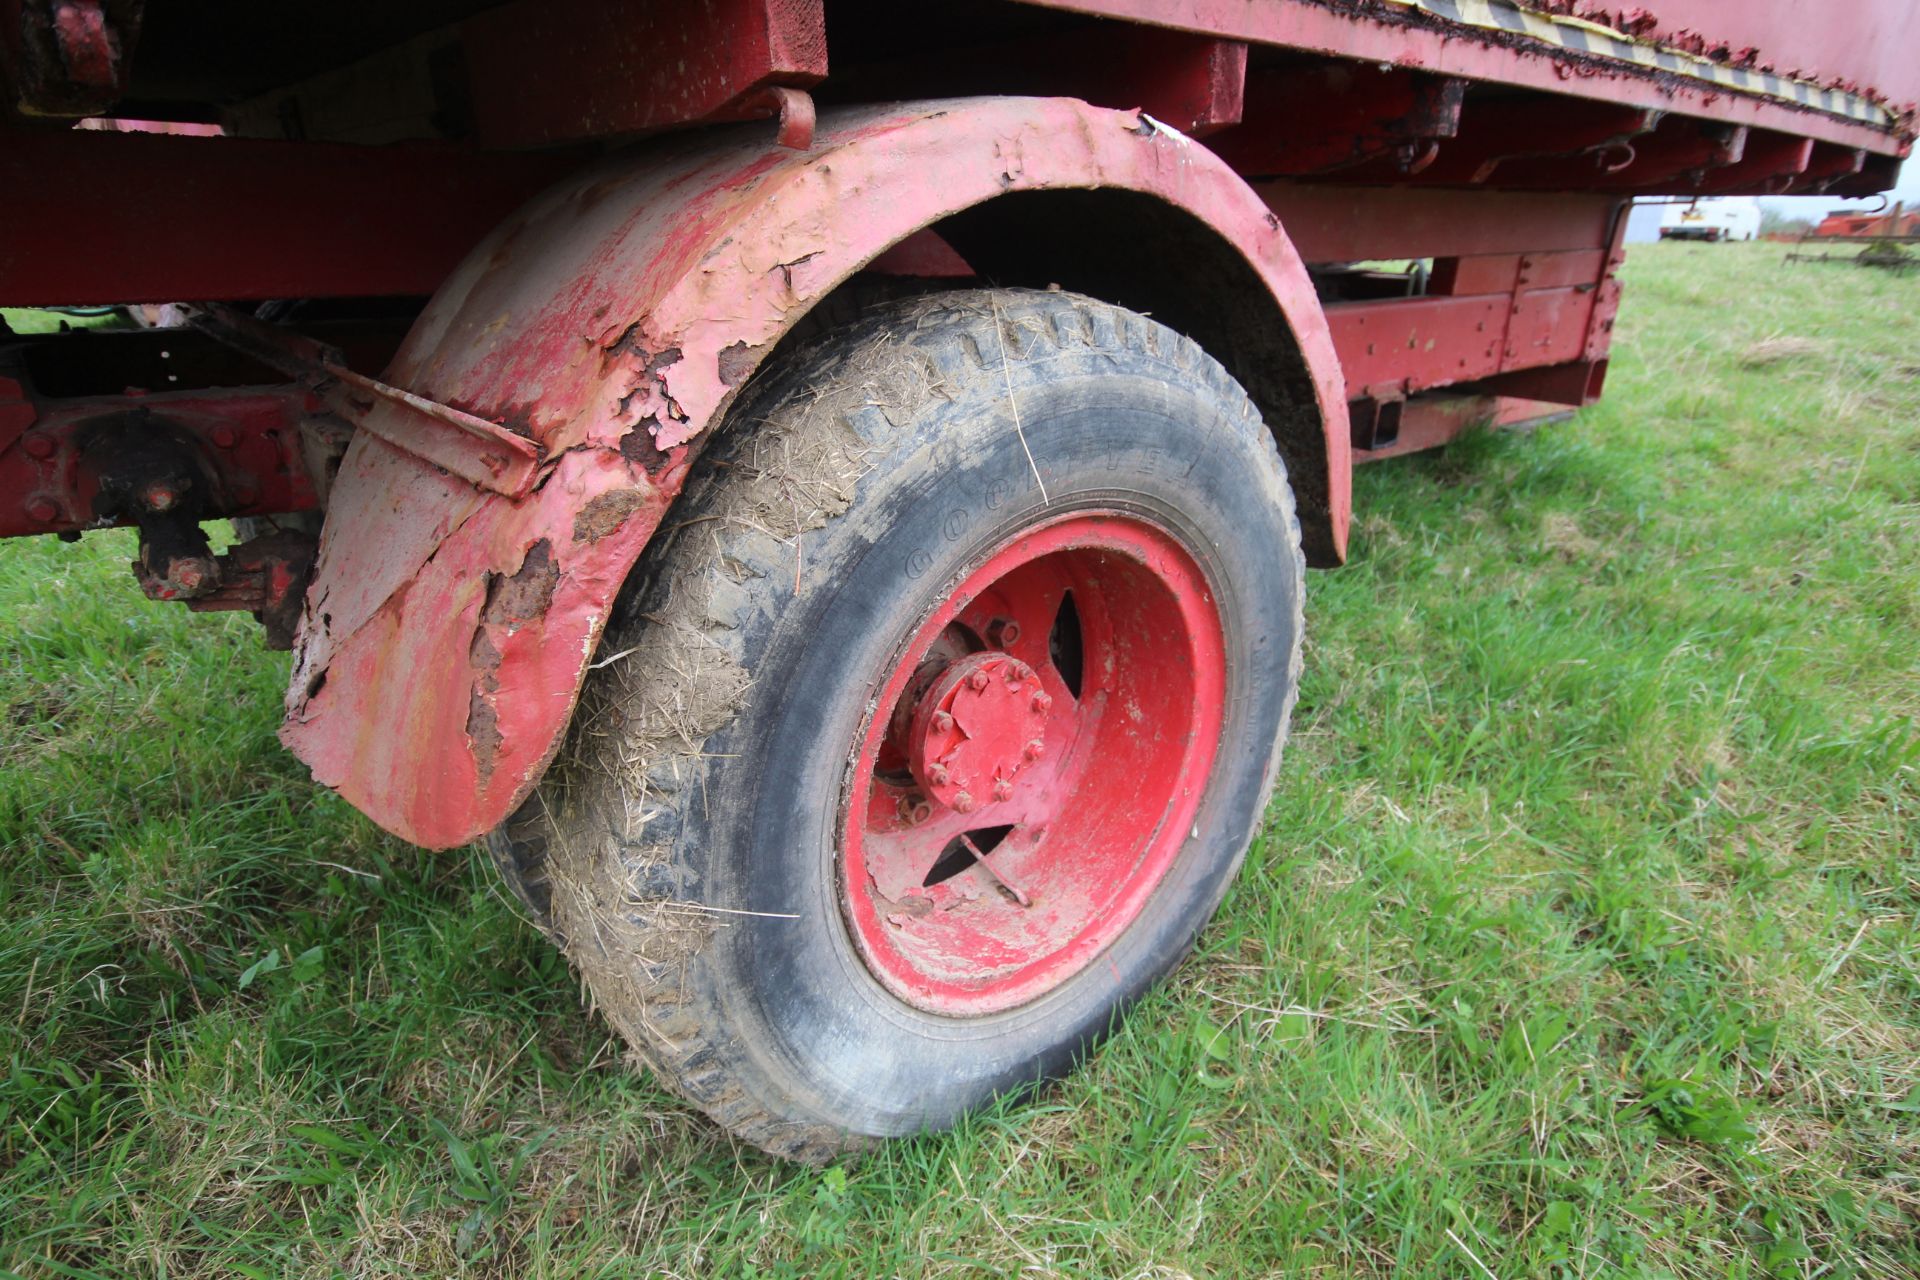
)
(736, 362)
(485, 656)
(525, 594)
(606, 513)
(512, 601)
(637, 447)
(483, 721)
(483, 733)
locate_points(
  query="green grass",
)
(26, 320)
(1582, 940)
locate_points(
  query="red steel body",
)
(1231, 166)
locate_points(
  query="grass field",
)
(1581, 941)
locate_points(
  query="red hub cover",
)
(982, 722)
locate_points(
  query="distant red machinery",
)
(1849, 224)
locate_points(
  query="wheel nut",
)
(1002, 632)
(38, 446)
(1041, 701)
(963, 802)
(223, 437)
(1002, 789)
(43, 510)
(1035, 750)
(942, 721)
(977, 681)
(937, 775)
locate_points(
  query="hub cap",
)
(1037, 756)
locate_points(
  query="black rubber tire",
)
(683, 852)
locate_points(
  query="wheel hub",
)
(976, 728)
(1033, 763)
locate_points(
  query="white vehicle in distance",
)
(1730, 218)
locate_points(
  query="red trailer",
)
(825, 492)
(1850, 224)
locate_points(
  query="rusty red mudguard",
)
(448, 629)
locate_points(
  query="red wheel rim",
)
(1034, 763)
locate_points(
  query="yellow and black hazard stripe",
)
(1577, 36)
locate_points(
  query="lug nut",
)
(223, 437)
(1002, 789)
(1002, 632)
(1034, 750)
(937, 775)
(43, 510)
(942, 721)
(914, 809)
(1041, 701)
(38, 446)
(977, 681)
(963, 803)
(1018, 673)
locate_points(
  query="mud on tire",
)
(685, 851)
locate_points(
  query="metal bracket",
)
(480, 452)
(796, 114)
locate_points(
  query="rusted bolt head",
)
(922, 810)
(1041, 701)
(942, 721)
(43, 510)
(963, 803)
(937, 775)
(158, 495)
(1002, 789)
(977, 681)
(38, 446)
(190, 575)
(224, 437)
(1034, 750)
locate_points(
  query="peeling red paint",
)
(614, 318)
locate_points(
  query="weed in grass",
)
(1581, 939)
